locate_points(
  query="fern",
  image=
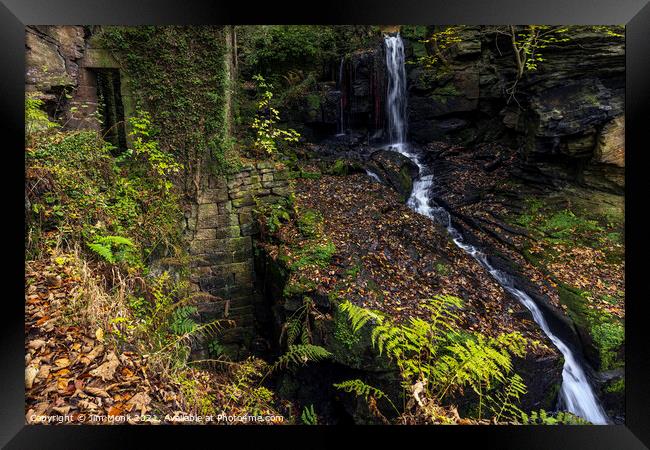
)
(105, 252)
(182, 321)
(308, 416)
(299, 355)
(361, 389)
(442, 360)
(502, 403)
(360, 316)
(106, 246)
(559, 418)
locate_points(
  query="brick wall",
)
(222, 229)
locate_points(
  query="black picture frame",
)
(635, 14)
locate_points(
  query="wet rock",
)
(393, 169)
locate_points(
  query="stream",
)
(576, 394)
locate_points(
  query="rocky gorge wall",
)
(566, 119)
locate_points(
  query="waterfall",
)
(340, 125)
(396, 95)
(576, 393)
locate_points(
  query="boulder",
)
(393, 169)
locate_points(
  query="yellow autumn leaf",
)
(99, 334)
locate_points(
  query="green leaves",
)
(308, 416)
(267, 134)
(299, 355)
(432, 353)
(113, 248)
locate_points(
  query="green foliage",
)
(608, 337)
(440, 41)
(78, 190)
(162, 164)
(310, 223)
(270, 49)
(314, 254)
(338, 168)
(298, 325)
(180, 75)
(299, 355)
(361, 389)
(182, 321)
(36, 120)
(431, 352)
(544, 418)
(272, 215)
(267, 133)
(308, 416)
(113, 248)
(255, 400)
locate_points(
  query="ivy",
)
(180, 75)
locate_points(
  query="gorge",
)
(263, 187)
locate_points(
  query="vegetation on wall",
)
(180, 75)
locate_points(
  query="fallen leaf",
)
(140, 402)
(62, 362)
(107, 370)
(30, 375)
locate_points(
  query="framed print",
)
(379, 217)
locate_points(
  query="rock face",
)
(393, 169)
(52, 55)
(566, 117)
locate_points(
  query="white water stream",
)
(576, 394)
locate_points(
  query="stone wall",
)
(222, 228)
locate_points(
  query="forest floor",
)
(391, 259)
(77, 372)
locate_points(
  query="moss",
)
(309, 175)
(310, 223)
(338, 168)
(298, 287)
(442, 269)
(616, 387)
(318, 254)
(605, 330)
(313, 100)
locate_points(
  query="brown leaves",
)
(107, 370)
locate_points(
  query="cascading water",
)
(396, 95)
(576, 394)
(340, 126)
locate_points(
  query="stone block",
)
(282, 191)
(239, 193)
(218, 258)
(281, 175)
(267, 177)
(207, 215)
(205, 233)
(244, 201)
(215, 195)
(217, 183)
(225, 207)
(216, 281)
(228, 232)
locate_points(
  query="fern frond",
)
(103, 251)
(361, 389)
(298, 355)
(360, 316)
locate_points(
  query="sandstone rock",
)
(610, 148)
